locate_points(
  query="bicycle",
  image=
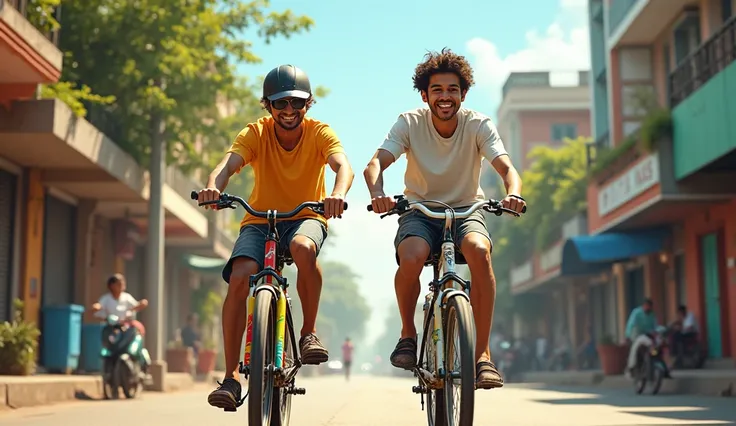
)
(271, 359)
(447, 309)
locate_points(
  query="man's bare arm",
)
(507, 171)
(344, 173)
(373, 172)
(220, 176)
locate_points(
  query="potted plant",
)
(613, 356)
(18, 344)
(179, 359)
(207, 357)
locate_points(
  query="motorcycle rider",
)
(120, 303)
(641, 322)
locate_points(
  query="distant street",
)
(377, 401)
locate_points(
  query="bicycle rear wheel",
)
(459, 390)
(261, 378)
(435, 397)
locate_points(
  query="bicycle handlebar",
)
(490, 205)
(227, 200)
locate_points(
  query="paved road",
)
(369, 401)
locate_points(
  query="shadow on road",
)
(672, 407)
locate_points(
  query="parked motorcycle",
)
(125, 360)
(650, 367)
(692, 356)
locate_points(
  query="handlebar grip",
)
(194, 195)
(344, 205)
(523, 209)
(370, 207)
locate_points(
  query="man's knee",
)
(304, 252)
(243, 268)
(413, 253)
(476, 249)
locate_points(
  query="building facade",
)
(661, 203)
(73, 204)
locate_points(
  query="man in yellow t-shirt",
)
(288, 152)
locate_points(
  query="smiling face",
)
(444, 95)
(288, 112)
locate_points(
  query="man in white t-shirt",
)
(120, 303)
(445, 146)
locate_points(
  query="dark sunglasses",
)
(296, 103)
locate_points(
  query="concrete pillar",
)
(33, 228)
(83, 262)
(155, 256)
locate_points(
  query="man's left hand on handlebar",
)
(334, 206)
(514, 202)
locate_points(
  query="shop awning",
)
(210, 265)
(582, 252)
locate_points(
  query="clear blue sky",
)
(366, 52)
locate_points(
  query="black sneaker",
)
(226, 396)
(312, 350)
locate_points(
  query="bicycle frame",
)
(264, 281)
(447, 283)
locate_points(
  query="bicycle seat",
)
(434, 258)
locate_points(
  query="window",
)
(726, 10)
(562, 131)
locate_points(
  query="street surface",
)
(379, 401)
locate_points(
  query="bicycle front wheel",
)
(261, 378)
(459, 389)
(281, 407)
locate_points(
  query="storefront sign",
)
(551, 258)
(522, 274)
(636, 180)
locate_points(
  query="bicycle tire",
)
(260, 382)
(281, 406)
(459, 318)
(435, 397)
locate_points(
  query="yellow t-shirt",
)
(284, 179)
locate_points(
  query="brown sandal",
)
(487, 376)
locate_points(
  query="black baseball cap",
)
(286, 81)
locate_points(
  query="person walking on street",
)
(347, 357)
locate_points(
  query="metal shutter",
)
(7, 213)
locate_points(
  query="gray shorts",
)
(416, 224)
(251, 242)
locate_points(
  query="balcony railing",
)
(712, 57)
(22, 7)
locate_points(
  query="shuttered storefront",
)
(7, 223)
(59, 250)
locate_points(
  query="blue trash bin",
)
(62, 337)
(91, 347)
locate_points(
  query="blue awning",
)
(583, 254)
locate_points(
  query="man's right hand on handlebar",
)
(382, 203)
(208, 195)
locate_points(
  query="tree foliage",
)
(177, 57)
(555, 187)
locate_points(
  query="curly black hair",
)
(443, 62)
(266, 104)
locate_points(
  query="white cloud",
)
(564, 46)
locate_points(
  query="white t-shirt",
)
(119, 307)
(444, 169)
(689, 321)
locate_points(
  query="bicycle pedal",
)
(418, 389)
(298, 391)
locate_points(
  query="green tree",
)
(176, 58)
(555, 187)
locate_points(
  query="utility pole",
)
(155, 251)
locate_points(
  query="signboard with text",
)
(636, 180)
